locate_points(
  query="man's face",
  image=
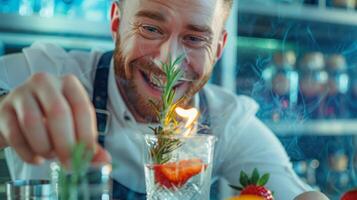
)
(150, 31)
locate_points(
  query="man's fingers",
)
(32, 124)
(48, 116)
(82, 111)
(57, 113)
(14, 137)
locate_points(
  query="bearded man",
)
(47, 108)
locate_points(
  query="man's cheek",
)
(144, 47)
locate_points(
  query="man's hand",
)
(44, 117)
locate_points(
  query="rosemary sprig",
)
(73, 181)
(168, 125)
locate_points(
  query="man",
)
(48, 107)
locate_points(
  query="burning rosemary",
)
(168, 125)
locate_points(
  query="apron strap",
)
(100, 95)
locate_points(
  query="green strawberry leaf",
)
(263, 180)
(255, 176)
(244, 179)
(236, 187)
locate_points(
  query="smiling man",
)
(152, 31)
(48, 107)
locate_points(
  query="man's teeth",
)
(153, 84)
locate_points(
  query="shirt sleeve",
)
(13, 70)
(255, 146)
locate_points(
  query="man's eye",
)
(150, 32)
(195, 41)
(151, 29)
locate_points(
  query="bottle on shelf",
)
(281, 81)
(306, 170)
(352, 93)
(312, 81)
(339, 172)
(335, 103)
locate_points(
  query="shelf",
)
(294, 22)
(314, 127)
(68, 33)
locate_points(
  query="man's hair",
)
(229, 3)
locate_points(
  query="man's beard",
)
(138, 103)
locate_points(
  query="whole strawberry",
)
(350, 195)
(254, 185)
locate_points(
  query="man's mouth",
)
(150, 82)
(157, 84)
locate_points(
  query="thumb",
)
(101, 155)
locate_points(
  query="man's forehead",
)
(196, 6)
(194, 11)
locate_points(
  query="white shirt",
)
(244, 142)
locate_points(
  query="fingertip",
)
(101, 155)
(50, 156)
(37, 160)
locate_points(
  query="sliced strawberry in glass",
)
(178, 173)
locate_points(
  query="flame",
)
(191, 116)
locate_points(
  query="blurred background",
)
(296, 58)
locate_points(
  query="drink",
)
(187, 173)
(197, 187)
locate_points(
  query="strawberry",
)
(246, 197)
(254, 185)
(350, 195)
(177, 173)
(259, 191)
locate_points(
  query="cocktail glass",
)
(184, 172)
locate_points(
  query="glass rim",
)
(30, 182)
(180, 136)
(29, 188)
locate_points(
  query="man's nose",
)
(171, 49)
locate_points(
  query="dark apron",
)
(100, 97)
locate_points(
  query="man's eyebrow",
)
(199, 28)
(152, 15)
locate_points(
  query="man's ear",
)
(221, 44)
(114, 19)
